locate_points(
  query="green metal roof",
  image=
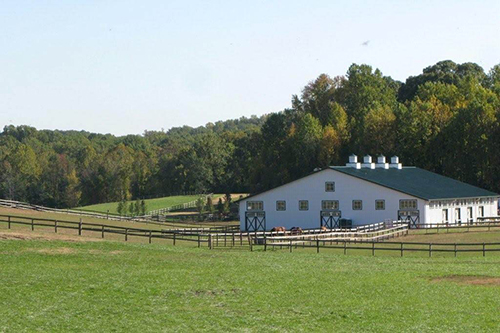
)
(417, 182)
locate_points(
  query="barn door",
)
(255, 221)
(330, 219)
(458, 216)
(412, 217)
(469, 215)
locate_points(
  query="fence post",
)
(373, 248)
(233, 238)
(102, 236)
(55, 226)
(265, 243)
(150, 234)
(210, 241)
(345, 247)
(249, 241)
(430, 250)
(402, 249)
(80, 228)
(484, 250)
(126, 234)
(32, 225)
(8, 222)
(317, 245)
(291, 246)
(174, 238)
(455, 249)
(198, 240)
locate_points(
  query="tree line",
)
(444, 120)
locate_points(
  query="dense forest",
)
(445, 120)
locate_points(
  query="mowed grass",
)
(74, 218)
(478, 235)
(153, 204)
(115, 286)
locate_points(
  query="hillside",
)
(153, 204)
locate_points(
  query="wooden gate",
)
(412, 217)
(255, 221)
(330, 219)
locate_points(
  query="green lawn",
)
(113, 286)
(478, 235)
(153, 204)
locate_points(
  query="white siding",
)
(312, 188)
(435, 213)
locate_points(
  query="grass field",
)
(76, 218)
(153, 204)
(92, 220)
(74, 284)
(456, 236)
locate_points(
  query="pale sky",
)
(123, 67)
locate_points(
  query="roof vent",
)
(317, 169)
(353, 162)
(381, 163)
(367, 162)
(395, 163)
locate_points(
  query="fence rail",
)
(200, 235)
(107, 216)
(373, 246)
(173, 224)
(487, 222)
(186, 205)
(361, 240)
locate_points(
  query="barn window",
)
(379, 204)
(330, 187)
(329, 205)
(255, 205)
(407, 204)
(281, 205)
(357, 205)
(480, 213)
(303, 205)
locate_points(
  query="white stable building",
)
(366, 193)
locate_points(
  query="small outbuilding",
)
(365, 193)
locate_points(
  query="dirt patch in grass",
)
(106, 252)
(59, 250)
(8, 235)
(478, 280)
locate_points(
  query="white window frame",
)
(380, 201)
(327, 184)
(408, 204)
(335, 204)
(278, 202)
(251, 208)
(306, 203)
(354, 205)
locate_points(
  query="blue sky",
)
(127, 66)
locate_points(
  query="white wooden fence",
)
(190, 204)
